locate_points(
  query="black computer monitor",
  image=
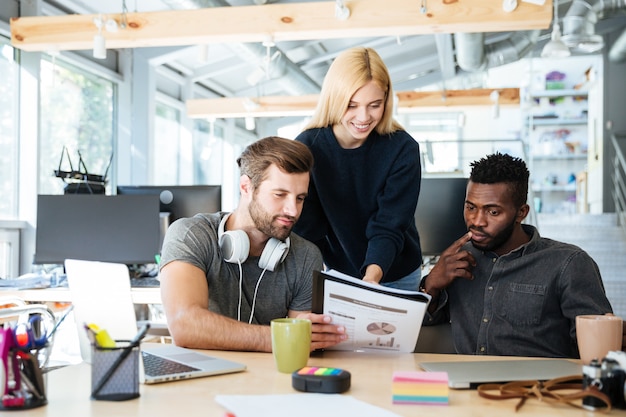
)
(439, 214)
(180, 200)
(121, 229)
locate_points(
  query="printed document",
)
(376, 318)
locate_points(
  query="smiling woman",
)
(366, 178)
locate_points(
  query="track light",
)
(342, 12)
(250, 123)
(509, 5)
(250, 104)
(110, 25)
(495, 97)
(99, 43)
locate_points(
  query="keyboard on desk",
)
(144, 282)
(157, 366)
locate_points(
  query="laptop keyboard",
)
(144, 282)
(157, 366)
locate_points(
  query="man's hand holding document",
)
(376, 318)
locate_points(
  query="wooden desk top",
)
(62, 294)
(69, 390)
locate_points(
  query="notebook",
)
(473, 373)
(101, 295)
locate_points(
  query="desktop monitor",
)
(122, 229)
(180, 200)
(439, 214)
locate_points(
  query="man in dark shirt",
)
(505, 289)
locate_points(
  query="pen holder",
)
(23, 386)
(115, 372)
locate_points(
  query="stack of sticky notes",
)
(412, 387)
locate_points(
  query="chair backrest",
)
(435, 339)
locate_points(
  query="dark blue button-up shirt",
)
(524, 303)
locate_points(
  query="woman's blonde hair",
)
(351, 70)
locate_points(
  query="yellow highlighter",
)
(102, 336)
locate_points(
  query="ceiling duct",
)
(578, 34)
(473, 55)
(579, 28)
(580, 20)
(294, 81)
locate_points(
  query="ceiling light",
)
(250, 124)
(509, 5)
(250, 104)
(495, 97)
(342, 12)
(555, 48)
(99, 43)
(111, 25)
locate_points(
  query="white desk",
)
(69, 390)
(139, 295)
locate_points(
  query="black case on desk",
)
(322, 380)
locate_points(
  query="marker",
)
(102, 336)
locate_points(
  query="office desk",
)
(69, 390)
(62, 294)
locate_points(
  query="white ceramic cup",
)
(597, 335)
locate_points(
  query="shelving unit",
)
(556, 127)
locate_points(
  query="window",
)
(77, 110)
(438, 135)
(167, 167)
(208, 145)
(8, 132)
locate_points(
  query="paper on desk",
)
(301, 405)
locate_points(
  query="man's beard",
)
(264, 221)
(498, 240)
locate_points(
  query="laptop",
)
(470, 374)
(167, 362)
(101, 294)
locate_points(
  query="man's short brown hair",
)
(288, 155)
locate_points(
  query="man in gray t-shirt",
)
(225, 276)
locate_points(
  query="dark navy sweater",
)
(361, 204)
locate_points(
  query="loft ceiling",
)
(297, 67)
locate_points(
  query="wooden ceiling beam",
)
(282, 106)
(281, 22)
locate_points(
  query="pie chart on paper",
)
(380, 328)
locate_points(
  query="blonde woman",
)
(366, 178)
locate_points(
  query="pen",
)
(58, 323)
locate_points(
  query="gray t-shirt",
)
(288, 287)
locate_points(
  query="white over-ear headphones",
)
(235, 247)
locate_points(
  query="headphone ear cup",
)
(235, 246)
(274, 253)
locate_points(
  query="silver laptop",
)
(101, 295)
(166, 362)
(470, 374)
